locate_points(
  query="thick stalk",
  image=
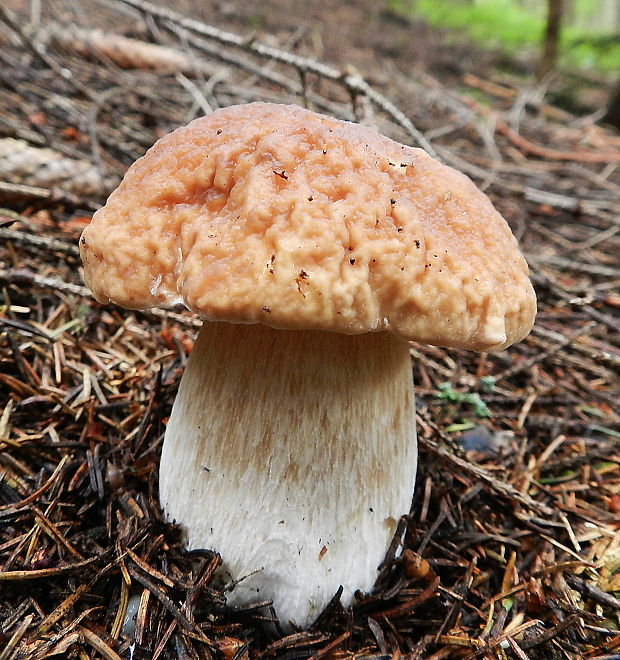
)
(293, 454)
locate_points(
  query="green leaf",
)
(460, 426)
(603, 429)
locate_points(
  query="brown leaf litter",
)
(512, 547)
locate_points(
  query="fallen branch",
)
(45, 168)
(126, 53)
(354, 83)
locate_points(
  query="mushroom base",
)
(292, 454)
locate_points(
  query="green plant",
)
(447, 393)
(515, 28)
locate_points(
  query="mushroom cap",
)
(272, 214)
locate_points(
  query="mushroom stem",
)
(293, 454)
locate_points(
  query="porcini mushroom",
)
(314, 249)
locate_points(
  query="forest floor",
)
(512, 546)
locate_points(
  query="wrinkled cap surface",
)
(273, 214)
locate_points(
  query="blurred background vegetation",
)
(589, 38)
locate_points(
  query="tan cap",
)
(273, 214)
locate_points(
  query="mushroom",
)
(313, 249)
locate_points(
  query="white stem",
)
(292, 453)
